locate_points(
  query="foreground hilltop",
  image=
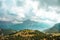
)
(29, 35)
(25, 35)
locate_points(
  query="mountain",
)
(5, 24)
(29, 32)
(26, 34)
(54, 29)
(6, 31)
(27, 24)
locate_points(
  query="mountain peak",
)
(54, 29)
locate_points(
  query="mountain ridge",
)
(54, 29)
(27, 24)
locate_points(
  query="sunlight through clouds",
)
(42, 10)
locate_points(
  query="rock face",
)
(54, 29)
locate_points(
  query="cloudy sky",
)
(16, 11)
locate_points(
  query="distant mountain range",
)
(8, 27)
(27, 24)
(6, 31)
(5, 24)
(54, 29)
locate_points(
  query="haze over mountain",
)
(40, 12)
(54, 29)
(27, 24)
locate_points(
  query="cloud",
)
(46, 3)
(20, 3)
(44, 10)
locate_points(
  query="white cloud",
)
(16, 22)
(4, 19)
(50, 15)
(19, 11)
